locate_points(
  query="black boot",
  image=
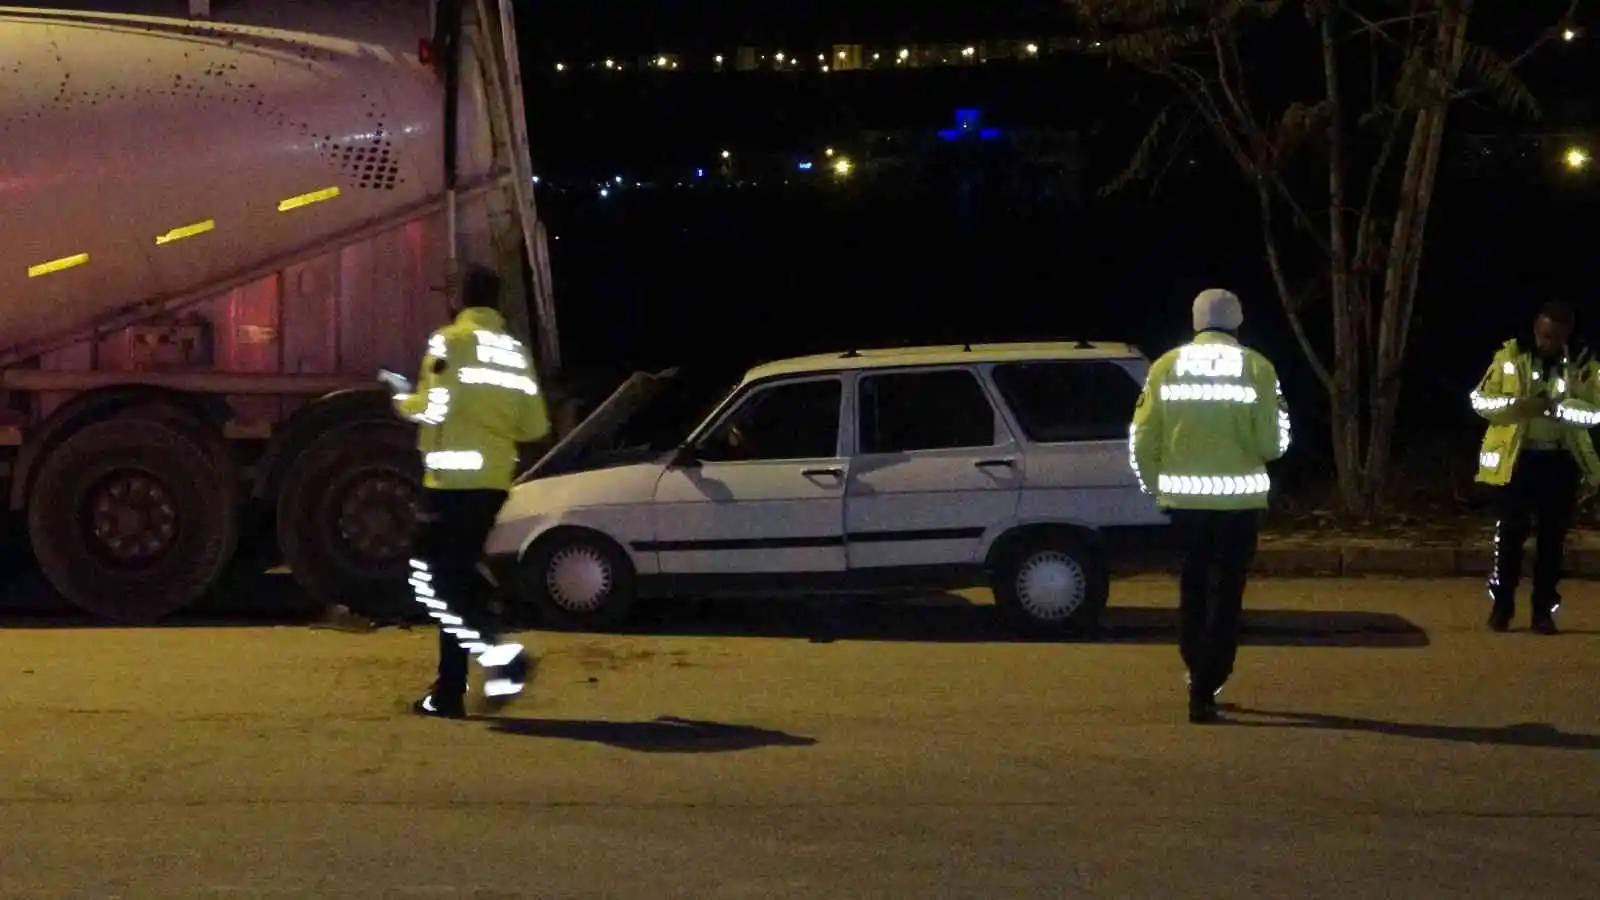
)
(441, 705)
(1545, 624)
(1500, 616)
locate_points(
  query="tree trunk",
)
(1344, 395)
(1404, 263)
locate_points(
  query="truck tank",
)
(146, 156)
(213, 232)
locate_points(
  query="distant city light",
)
(828, 151)
(842, 55)
(561, 67)
(1569, 35)
(805, 166)
(904, 53)
(661, 61)
(617, 179)
(1033, 49)
(969, 51)
(605, 192)
(779, 56)
(719, 59)
(699, 173)
(726, 155)
(535, 179)
(822, 58)
(610, 64)
(842, 166)
(826, 69)
(1577, 159)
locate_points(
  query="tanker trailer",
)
(213, 232)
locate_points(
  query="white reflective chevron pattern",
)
(1561, 385)
(1214, 485)
(1210, 361)
(1509, 368)
(1185, 391)
(1486, 404)
(1489, 459)
(498, 341)
(499, 378)
(1284, 435)
(454, 460)
(1573, 416)
(496, 356)
(1133, 457)
(436, 346)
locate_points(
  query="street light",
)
(1576, 158)
(842, 167)
(1569, 35)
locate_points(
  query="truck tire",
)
(131, 519)
(349, 510)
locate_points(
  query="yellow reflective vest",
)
(1210, 418)
(475, 400)
(1573, 388)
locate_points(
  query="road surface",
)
(1389, 746)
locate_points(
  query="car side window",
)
(940, 410)
(1068, 401)
(797, 420)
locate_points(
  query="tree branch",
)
(1275, 265)
(1548, 36)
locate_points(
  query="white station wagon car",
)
(915, 468)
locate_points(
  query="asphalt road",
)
(1388, 746)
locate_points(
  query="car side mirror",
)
(685, 458)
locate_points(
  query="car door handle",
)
(824, 472)
(1002, 463)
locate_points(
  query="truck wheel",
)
(349, 512)
(1051, 585)
(131, 520)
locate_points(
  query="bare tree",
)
(1324, 169)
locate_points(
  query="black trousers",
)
(1543, 491)
(1218, 548)
(446, 579)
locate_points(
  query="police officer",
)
(475, 400)
(1540, 401)
(1210, 418)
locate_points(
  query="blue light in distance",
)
(805, 166)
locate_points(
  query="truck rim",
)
(130, 519)
(378, 517)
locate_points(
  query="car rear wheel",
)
(1053, 584)
(579, 582)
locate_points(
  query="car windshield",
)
(666, 420)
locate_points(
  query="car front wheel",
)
(579, 582)
(1051, 585)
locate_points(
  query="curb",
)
(1360, 560)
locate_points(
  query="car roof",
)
(946, 354)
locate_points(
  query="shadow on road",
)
(667, 734)
(939, 618)
(1521, 734)
(950, 618)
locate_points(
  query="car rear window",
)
(1069, 400)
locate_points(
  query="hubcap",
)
(131, 519)
(578, 579)
(1051, 585)
(377, 517)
